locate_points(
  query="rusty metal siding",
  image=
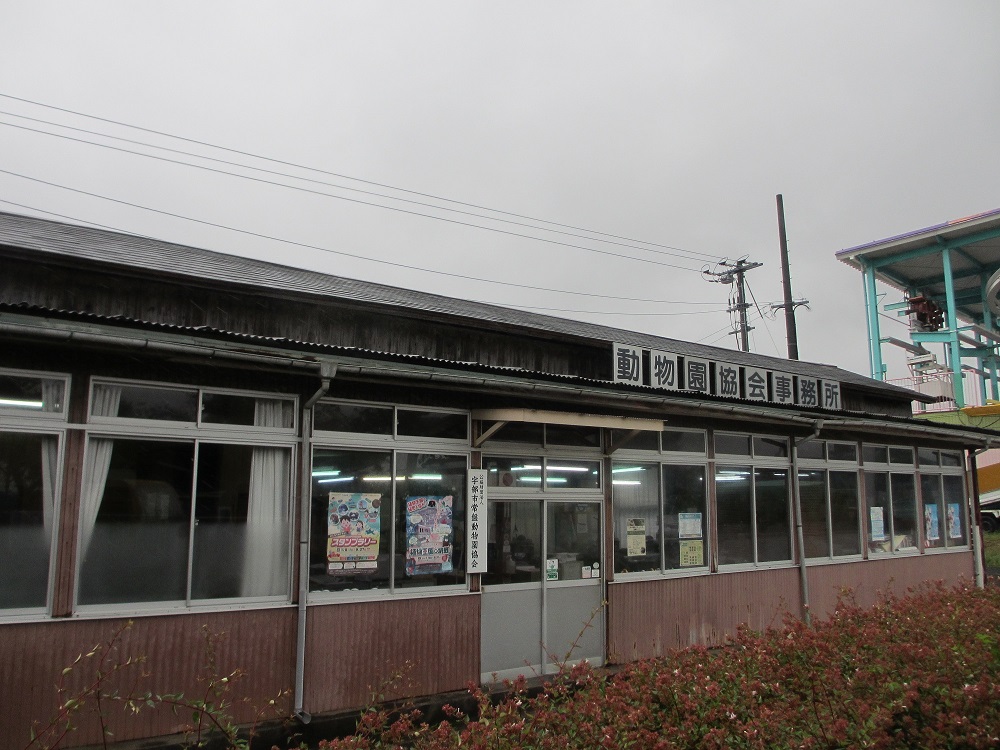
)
(645, 618)
(871, 578)
(389, 649)
(32, 655)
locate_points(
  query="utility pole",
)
(733, 273)
(789, 304)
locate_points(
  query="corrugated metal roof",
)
(191, 264)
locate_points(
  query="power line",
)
(344, 176)
(305, 245)
(356, 200)
(604, 312)
(293, 177)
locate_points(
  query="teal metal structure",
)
(951, 265)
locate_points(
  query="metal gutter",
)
(519, 385)
(797, 505)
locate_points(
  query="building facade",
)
(355, 482)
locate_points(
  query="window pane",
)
(432, 424)
(930, 489)
(954, 501)
(28, 466)
(350, 540)
(844, 503)
(732, 445)
(561, 474)
(683, 441)
(635, 440)
(584, 437)
(684, 520)
(842, 451)
(574, 539)
(812, 449)
(430, 520)
(770, 447)
(529, 433)
(815, 529)
(928, 457)
(875, 454)
(514, 550)
(636, 500)
(901, 455)
(143, 402)
(513, 472)
(774, 541)
(879, 526)
(135, 521)
(904, 511)
(31, 393)
(221, 408)
(371, 420)
(949, 458)
(733, 492)
(241, 530)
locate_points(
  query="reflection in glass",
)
(844, 503)
(135, 521)
(574, 539)
(351, 503)
(361, 418)
(502, 471)
(955, 525)
(734, 500)
(904, 511)
(514, 548)
(815, 527)
(432, 424)
(562, 474)
(430, 520)
(636, 502)
(684, 520)
(774, 540)
(28, 465)
(878, 529)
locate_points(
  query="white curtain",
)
(265, 556)
(52, 398)
(95, 473)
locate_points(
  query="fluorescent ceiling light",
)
(378, 479)
(526, 468)
(550, 467)
(336, 479)
(21, 403)
(327, 473)
(428, 477)
(626, 481)
(628, 469)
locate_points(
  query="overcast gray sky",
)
(674, 123)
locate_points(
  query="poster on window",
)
(354, 526)
(878, 524)
(692, 553)
(635, 537)
(954, 521)
(689, 525)
(932, 523)
(428, 534)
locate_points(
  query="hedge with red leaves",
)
(918, 671)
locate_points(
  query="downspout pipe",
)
(979, 572)
(797, 505)
(327, 372)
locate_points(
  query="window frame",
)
(939, 471)
(194, 433)
(890, 468)
(13, 415)
(43, 427)
(331, 437)
(390, 592)
(844, 466)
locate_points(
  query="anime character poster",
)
(354, 526)
(954, 521)
(932, 523)
(429, 534)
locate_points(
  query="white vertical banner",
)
(476, 522)
(663, 370)
(755, 383)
